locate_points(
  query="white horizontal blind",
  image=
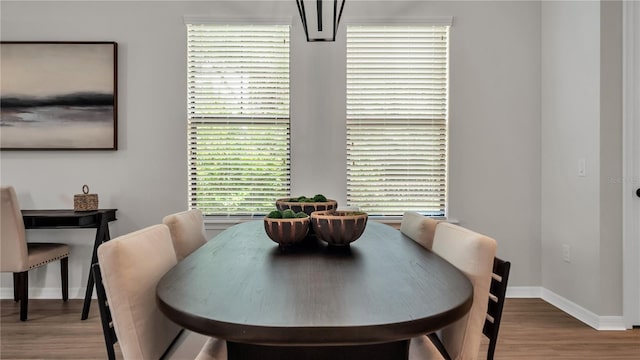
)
(238, 117)
(397, 103)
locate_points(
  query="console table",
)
(69, 219)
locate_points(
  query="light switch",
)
(582, 167)
(566, 253)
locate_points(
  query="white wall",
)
(570, 131)
(581, 119)
(495, 118)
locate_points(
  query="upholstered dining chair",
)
(419, 228)
(497, 296)
(129, 276)
(19, 256)
(473, 254)
(187, 231)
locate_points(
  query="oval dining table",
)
(314, 301)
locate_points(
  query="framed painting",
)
(58, 96)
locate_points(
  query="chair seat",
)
(191, 345)
(214, 349)
(42, 253)
(421, 348)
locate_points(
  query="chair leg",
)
(106, 320)
(16, 287)
(23, 281)
(491, 350)
(435, 340)
(64, 276)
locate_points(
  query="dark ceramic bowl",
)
(287, 232)
(307, 207)
(338, 228)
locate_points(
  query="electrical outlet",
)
(566, 253)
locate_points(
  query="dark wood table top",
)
(241, 287)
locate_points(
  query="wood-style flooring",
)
(531, 329)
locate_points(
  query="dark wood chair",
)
(497, 295)
(109, 332)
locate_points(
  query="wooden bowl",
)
(307, 207)
(338, 228)
(287, 232)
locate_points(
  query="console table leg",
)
(102, 235)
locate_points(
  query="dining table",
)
(312, 300)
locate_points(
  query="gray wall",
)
(581, 119)
(497, 139)
(611, 158)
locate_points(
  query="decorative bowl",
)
(338, 228)
(287, 232)
(307, 207)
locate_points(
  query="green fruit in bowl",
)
(288, 214)
(319, 198)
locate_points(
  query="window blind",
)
(238, 117)
(397, 106)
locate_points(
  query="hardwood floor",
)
(531, 329)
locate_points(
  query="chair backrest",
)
(473, 254)
(497, 294)
(13, 241)
(187, 231)
(131, 267)
(419, 228)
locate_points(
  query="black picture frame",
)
(58, 95)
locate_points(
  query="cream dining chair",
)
(473, 254)
(18, 256)
(131, 266)
(187, 231)
(419, 228)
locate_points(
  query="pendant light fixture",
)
(320, 19)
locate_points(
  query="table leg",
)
(102, 235)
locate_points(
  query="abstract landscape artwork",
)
(58, 96)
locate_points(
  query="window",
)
(238, 117)
(397, 102)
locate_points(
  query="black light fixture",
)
(315, 18)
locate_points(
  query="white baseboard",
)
(524, 292)
(46, 293)
(586, 316)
